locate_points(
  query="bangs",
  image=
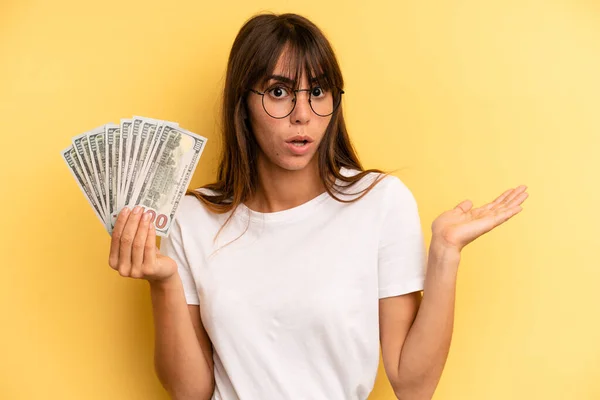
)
(300, 55)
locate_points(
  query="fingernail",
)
(137, 209)
(125, 210)
(147, 216)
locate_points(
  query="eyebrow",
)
(287, 80)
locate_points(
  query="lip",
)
(300, 138)
(299, 150)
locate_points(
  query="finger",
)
(504, 214)
(139, 244)
(127, 241)
(115, 242)
(498, 200)
(150, 250)
(464, 206)
(504, 198)
(492, 220)
(516, 192)
(517, 200)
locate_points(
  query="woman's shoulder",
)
(192, 208)
(390, 192)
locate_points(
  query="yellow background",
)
(472, 97)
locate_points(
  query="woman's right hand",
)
(133, 250)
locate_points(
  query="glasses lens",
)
(278, 101)
(324, 101)
(321, 101)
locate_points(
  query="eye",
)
(278, 92)
(317, 92)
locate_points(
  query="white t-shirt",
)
(291, 307)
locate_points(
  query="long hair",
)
(254, 55)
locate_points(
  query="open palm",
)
(458, 227)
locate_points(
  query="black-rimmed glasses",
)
(280, 100)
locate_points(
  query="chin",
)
(295, 163)
(294, 166)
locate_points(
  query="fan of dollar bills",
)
(141, 161)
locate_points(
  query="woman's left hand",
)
(458, 227)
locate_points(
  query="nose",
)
(302, 110)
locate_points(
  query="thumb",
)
(464, 206)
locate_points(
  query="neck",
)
(280, 189)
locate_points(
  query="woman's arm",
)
(180, 363)
(416, 333)
(427, 343)
(424, 343)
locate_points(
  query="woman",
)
(281, 280)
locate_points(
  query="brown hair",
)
(254, 55)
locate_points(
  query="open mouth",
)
(299, 143)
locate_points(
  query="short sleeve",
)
(172, 246)
(401, 260)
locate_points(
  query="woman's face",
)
(274, 136)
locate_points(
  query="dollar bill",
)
(70, 157)
(124, 148)
(96, 143)
(116, 134)
(80, 145)
(130, 155)
(168, 174)
(143, 130)
(143, 177)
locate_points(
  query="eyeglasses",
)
(280, 100)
